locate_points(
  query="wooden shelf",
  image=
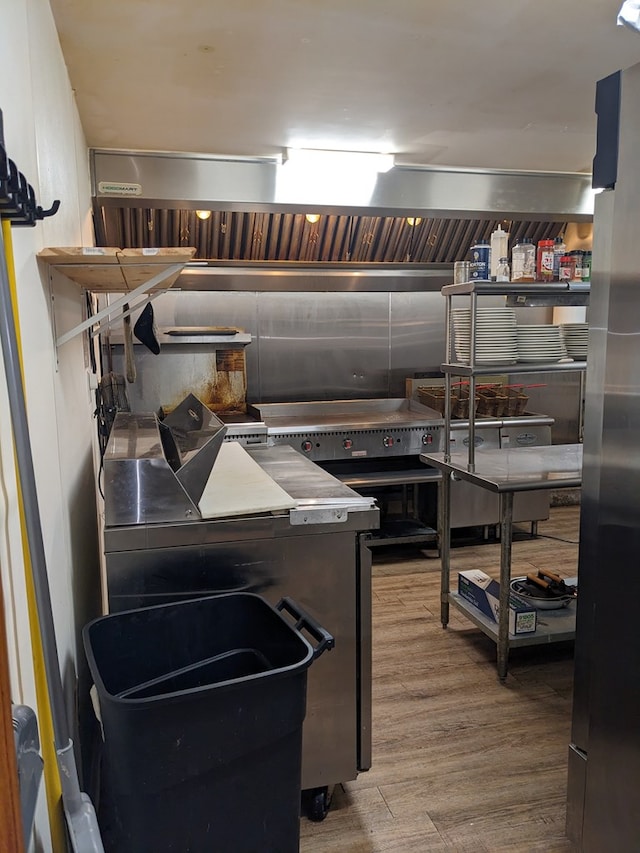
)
(112, 270)
(132, 272)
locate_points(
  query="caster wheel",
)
(317, 804)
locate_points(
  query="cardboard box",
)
(484, 593)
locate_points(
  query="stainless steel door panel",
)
(607, 624)
(592, 503)
(364, 649)
(560, 398)
(320, 573)
(323, 346)
(576, 785)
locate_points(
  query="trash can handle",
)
(303, 620)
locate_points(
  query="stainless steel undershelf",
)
(357, 480)
(402, 531)
(519, 367)
(554, 626)
(508, 288)
(525, 294)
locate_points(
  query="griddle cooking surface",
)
(351, 415)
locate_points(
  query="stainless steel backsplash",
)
(305, 346)
(323, 346)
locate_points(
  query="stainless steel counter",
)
(316, 553)
(521, 469)
(303, 479)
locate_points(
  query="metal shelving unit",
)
(517, 295)
(503, 471)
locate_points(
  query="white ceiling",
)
(477, 83)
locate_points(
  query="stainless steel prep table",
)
(317, 554)
(506, 472)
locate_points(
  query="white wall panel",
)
(44, 137)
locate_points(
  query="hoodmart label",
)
(119, 188)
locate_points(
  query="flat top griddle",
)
(344, 415)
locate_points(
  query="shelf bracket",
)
(95, 319)
(102, 325)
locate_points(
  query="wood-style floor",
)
(460, 762)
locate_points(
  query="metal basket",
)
(492, 401)
(516, 402)
(434, 397)
(460, 402)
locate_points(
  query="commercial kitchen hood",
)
(426, 217)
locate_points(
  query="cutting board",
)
(237, 485)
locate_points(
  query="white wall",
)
(44, 137)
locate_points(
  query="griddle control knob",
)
(427, 438)
(347, 444)
(306, 446)
(388, 441)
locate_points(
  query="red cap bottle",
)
(544, 260)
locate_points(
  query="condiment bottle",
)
(480, 261)
(502, 270)
(567, 268)
(586, 266)
(499, 249)
(559, 249)
(577, 255)
(544, 260)
(523, 261)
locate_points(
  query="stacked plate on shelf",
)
(576, 339)
(540, 343)
(496, 341)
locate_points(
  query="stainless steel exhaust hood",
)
(189, 181)
(416, 219)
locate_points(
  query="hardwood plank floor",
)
(461, 762)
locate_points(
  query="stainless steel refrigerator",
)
(604, 756)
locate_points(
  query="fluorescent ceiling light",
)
(362, 161)
(318, 177)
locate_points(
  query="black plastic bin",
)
(202, 704)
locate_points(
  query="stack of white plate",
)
(576, 339)
(496, 341)
(540, 343)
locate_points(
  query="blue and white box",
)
(483, 592)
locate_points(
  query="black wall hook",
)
(17, 196)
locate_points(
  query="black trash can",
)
(202, 704)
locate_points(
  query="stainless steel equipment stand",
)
(507, 472)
